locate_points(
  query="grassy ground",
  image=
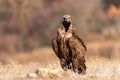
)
(97, 69)
(42, 64)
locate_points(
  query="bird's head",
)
(67, 21)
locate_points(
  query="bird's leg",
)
(63, 64)
(75, 65)
(82, 67)
(70, 66)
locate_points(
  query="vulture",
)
(69, 47)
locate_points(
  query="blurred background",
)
(28, 26)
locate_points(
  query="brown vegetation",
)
(31, 23)
(49, 67)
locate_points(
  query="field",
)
(42, 64)
(28, 26)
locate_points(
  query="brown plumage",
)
(69, 48)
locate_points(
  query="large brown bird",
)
(69, 47)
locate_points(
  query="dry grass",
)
(24, 67)
(97, 69)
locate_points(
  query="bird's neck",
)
(66, 26)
